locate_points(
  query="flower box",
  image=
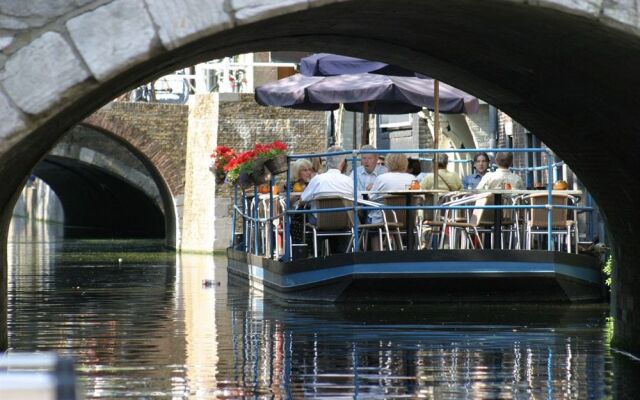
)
(278, 164)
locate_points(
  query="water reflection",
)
(148, 327)
(443, 352)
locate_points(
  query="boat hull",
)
(426, 276)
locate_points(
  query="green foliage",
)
(607, 269)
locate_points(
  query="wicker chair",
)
(331, 224)
(561, 225)
(390, 221)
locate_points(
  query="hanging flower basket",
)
(244, 180)
(220, 177)
(221, 157)
(259, 174)
(277, 165)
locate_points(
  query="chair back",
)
(538, 216)
(488, 216)
(400, 200)
(479, 215)
(333, 221)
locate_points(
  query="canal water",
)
(145, 323)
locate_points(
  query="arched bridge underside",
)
(99, 204)
(566, 69)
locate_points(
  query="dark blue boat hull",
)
(426, 276)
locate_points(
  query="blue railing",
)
(288, 212)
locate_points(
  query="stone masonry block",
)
(622, 12)
(49, 8)
(181, 22)
(11, 23)
(5, 41)
(581, 7)
(12, 120)
(36, 87)
(113, 37)
(247, 11)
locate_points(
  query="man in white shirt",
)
(331, 183)
(502, 175)
(369, 170)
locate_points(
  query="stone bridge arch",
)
(566, 69)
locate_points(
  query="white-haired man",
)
(331, 183)
(369, 169)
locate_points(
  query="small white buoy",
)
(119, 260)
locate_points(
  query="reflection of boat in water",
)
(434, 275)
(437, 275)
(299, 350)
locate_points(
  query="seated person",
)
(479, 169)
(316, 165)
(301, 174)
(369, 170)
(502, 175)
(446, 179)
(395, 179)
(331, 183)
(414, 167)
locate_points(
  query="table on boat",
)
(498, 193)
(410, 221)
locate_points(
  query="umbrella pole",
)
(436, 129)
(355, 131)
(365, 123)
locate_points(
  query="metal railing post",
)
(256, 207)
(287, 202)
(234, 217)
(549, 202)
(272, 239)
(354, 167)
(245, 240)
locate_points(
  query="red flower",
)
(278, 145)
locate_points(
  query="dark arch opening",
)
(99, 204)
(170, 218)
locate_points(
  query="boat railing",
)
(241, 211)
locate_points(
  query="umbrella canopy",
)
(324, 64)
(381, 94)
(291, 92)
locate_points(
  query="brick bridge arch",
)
(163, 157)
(166, 157)
(566, 69)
